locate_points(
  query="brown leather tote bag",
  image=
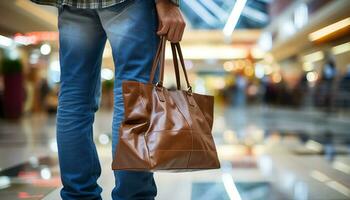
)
(165, 129)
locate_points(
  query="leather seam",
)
(188, 161)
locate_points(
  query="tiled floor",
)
(265, 153)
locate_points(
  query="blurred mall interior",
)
(279, 71)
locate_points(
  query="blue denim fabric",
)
(130, 27)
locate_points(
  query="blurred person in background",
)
(324, 92)
(305, 90)
(44, 91)
(240, 91)
(131, 26)
(344, 90)
(271, 91)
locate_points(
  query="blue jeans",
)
(130, 28)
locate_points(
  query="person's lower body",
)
(130, 28)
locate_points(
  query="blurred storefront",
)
(280, 74)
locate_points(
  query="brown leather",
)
(165, 129)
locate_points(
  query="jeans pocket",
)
(122, 6)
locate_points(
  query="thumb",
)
(162, 29)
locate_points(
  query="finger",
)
(177, 34)
(171, 32)
(179, 31)
(183, 26)
(163, 30)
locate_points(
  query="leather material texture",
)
(165, 129)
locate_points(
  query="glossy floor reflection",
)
(30, 180)
(266, 153)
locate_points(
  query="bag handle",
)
(176, 67)
(160, 58)
(182, 61)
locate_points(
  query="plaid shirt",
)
(91, 4)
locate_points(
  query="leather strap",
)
(179, 52)
(156, 59)
(176, 66)
(161, 63)
(160, 58)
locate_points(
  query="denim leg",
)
(82, 41)
(131, 29)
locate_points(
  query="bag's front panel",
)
(169, 134)
(168, 139)
(169, 149)
(165, 115)
(131, 148)
(206, 105)
(200, 116)
(204, 151)
(201, 159)
(131, 154)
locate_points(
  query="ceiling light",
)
(329, 29)
(308, 66)
(301, 15)
(255, 14)
(215, 9)
(313, 57)
(234, 17)
(341, 48)
(201, 12)
(198, 52)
